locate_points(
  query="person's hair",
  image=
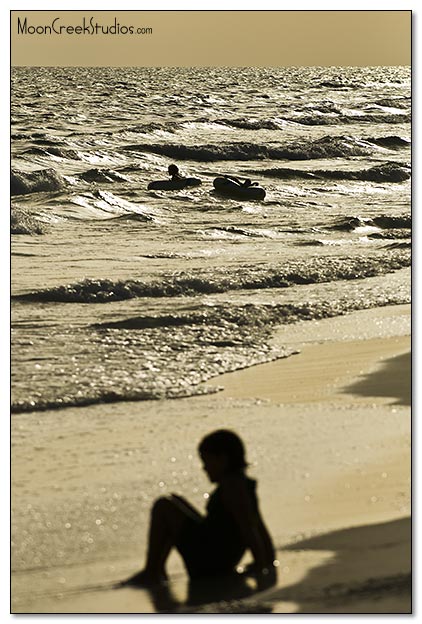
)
(228, 443)
(173, 169)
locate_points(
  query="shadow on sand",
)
(214, 595)
(370, 563)
(392, 380)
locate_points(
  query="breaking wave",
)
(213, 340)
(316, 270)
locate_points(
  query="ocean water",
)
(121, 293)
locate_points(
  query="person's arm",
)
(237, 500)
(232, 179)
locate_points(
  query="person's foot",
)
(144, 578)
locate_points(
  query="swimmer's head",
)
(173, 169)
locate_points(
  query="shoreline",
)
(332, 457)
(352, 357)
(384, 341)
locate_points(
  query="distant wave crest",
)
(325, 147)
(23, 222)
(102, 175)
(60, 152)
(394, 102)
(391, 142)
(315, 119)
(385, 222)
(384, 172)
(393, 221)
(22, 183)
(251, 124)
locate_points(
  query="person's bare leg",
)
(166, 523)
(186, 507)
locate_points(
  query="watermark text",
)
(88, 26)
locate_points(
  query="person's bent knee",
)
(175, 498)
(161, 504)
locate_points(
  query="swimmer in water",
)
(174, 173)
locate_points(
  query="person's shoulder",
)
(238, 492)
(237, 481)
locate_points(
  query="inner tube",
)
(226, 187)
(173, 185)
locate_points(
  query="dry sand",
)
(328, 437)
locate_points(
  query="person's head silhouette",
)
(173, 170)
(222, 451)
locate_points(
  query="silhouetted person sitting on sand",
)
(174, 173)
(246, 183)
(211, 545)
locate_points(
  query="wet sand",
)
(328, 438)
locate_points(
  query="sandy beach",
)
(328, 438)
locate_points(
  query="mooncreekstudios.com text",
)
(88, 27)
